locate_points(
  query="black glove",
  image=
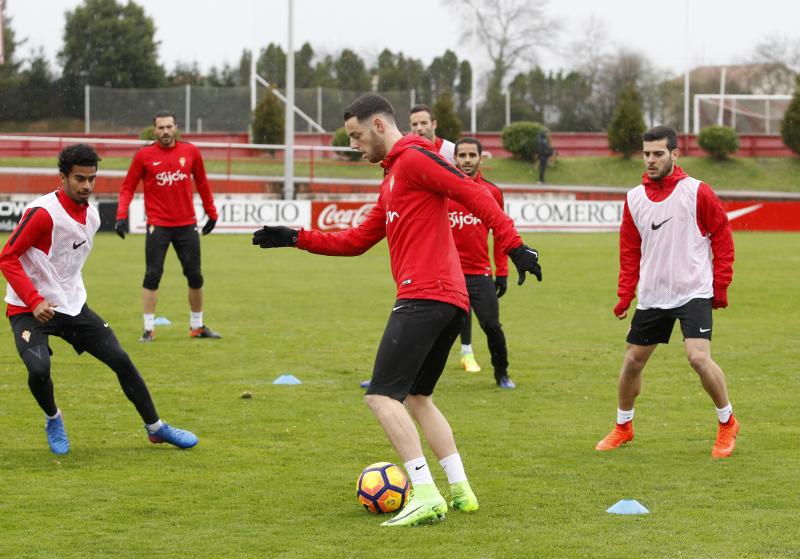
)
(209, 226)
(526, 259)
(121, 227)
(501, 284)
(274, 237)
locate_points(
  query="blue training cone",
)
(286, 379)
(628, 506)
(161, 321)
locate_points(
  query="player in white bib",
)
(42, 262)
(424, 124)
(676, 244)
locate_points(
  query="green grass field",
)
(274, 476)
(762, 173)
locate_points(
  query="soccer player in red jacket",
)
(470, 235)
(432, 299)
(42, 262)
(165, 168)
(676, 244)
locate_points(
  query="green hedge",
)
(718, 141)
(522, 139)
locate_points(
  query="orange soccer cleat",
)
(726, 439)
(616, 438)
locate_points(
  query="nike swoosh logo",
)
(105, 325)
(407, 514)
(655, 227)
(419, 467)
(705, 329)
(398, 307)
(156, 163)
(743, 211)
(76, 245)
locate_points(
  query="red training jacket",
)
(34, 232)
(411, 213)
(470, 236)
(167, 186)
(711, 220)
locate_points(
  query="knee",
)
(111, 353)
(492, 327)
(699, 360)
(38, 365)
(194, 278)
(152, 277)
(415, 402)
(376, 402)
(634, 362)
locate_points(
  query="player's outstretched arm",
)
(275, 237)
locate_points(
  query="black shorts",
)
(415, 346)
(187, 246)
(84, 332)
(654, 326)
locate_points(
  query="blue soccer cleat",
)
(57, 435)
(505, 382)
(174, 436)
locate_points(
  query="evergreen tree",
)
(448, 125)
(268, 120)
(351, 73)
(790, 125)
(111, 44)
(627, 123)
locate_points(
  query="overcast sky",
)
(213, 32)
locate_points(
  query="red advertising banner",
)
(763, 215)
(337, 216)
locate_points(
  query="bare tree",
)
(511, 31)
(588, 53)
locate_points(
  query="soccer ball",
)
(382, 487)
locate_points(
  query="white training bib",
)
(57, 275)
(448, 151)
(676, 264)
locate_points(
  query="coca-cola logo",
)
(333, 217)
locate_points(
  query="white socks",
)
(466, 349)
(724, 414)
(454, 468)
(153, 427)
(624, 416)
(196, 320)
(58, 412)
(418, 471)
(149, 322)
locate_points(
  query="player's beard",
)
(663, 172)
(377, 151)
(166, 140)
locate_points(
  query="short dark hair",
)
(164, 113)
(422, 107)
(659, 133)
(77, 154)
(468, 141)
(368, 105)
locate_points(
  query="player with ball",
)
(432, 299)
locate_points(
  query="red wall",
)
(567, 144)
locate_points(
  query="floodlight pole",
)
(473, 119)
(288, 156)
(686, 85)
